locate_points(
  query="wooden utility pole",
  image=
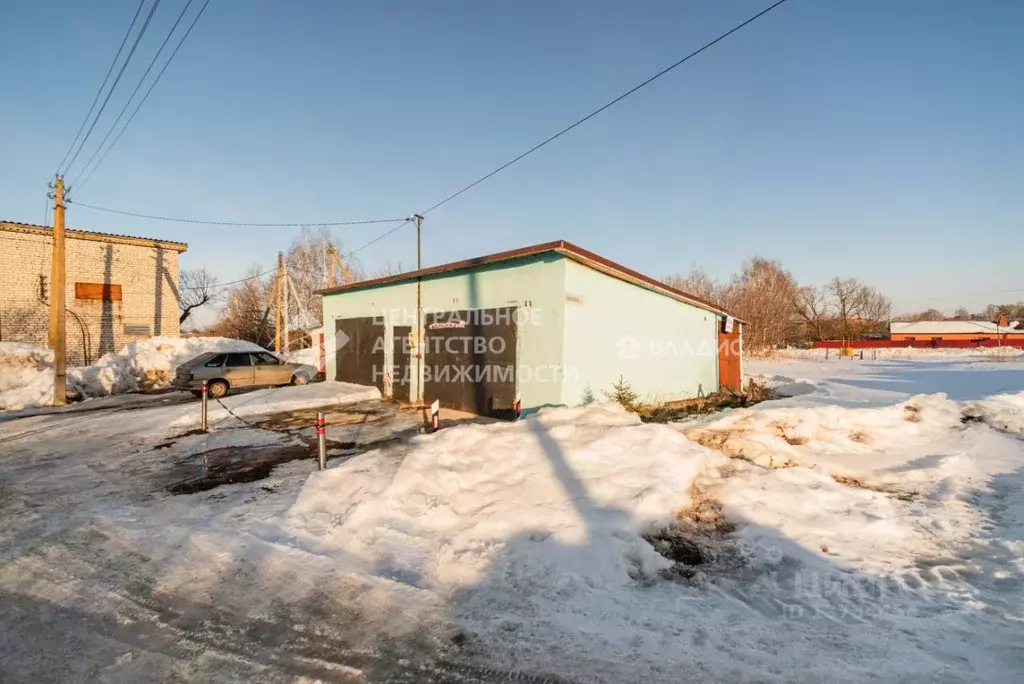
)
(58, 291)
(277, 308)
(285, 279)
(419, 309)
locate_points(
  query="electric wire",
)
(113, 86)
(145, 97)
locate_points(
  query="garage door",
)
(360, 356)
(470, 360)
(401, 372)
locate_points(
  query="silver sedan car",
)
(235, 370)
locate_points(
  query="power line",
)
(378, 238)
(138, 85)
(148, 91)
(238, 223)
(601, 109)
(113, 86)
(221, 286)
(103, 85)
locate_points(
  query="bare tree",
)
(697, 282)
(387, 269)
(247, 313)
(762, 294)
(196, 287)
(812, 307)
(308, 264)
(962, 314)
(846, 297)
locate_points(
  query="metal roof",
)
(34, 229)
(562, 247)
(950, 328)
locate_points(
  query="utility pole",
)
(285, 279)
(58, 291)
(419, 309)
(277, 308)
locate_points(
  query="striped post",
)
(321, 438)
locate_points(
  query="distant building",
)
(972, 331)
(549, 324)
(119, 289)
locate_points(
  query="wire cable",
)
(238, 223)
(113, 86)
(146, 96)
(103, 85)
(220, 286)
(594, 113)
(138, 86)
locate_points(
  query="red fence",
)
(918, 344)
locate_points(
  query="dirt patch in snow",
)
(698, 540)
(901, 494)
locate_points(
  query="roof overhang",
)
(71, 233)
(561, 247)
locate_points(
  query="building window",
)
(102, 291)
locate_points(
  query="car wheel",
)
(217, 389)
(299, 379)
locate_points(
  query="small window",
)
(909, 339)
(216, 361)
(238, 360)
(265, 359)
(936, 339)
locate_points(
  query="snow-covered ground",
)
(26, 371)
(857, 530)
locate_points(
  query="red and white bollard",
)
(519, 408)
(435, 416)
(321, 438)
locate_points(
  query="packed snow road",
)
(802, 542)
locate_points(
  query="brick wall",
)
(147, 274)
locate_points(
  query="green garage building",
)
(550, 324)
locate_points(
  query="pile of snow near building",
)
(834, 543)
(26, 371)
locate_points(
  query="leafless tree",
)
(812, 306)
(387, 269)
(962, 314)
(926, 315)
(308, 264)
(762, 294)
(698, 282)
(247, 315)
(196, 287)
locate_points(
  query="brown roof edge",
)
(567, 249)
(34, 229)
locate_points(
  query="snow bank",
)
(591, 479)
(309, 356)
(26, 371)
(26, 375)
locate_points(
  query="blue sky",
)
(876, 139)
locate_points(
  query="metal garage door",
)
(470, 360)
(401, 372)
(360, 356)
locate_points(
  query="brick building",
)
(119, 289)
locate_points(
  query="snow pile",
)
(309, 356)
(591, 479)
(26, 371)
(26, 375)
(148, 364)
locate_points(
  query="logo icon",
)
(629, 347)
(340, 339)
